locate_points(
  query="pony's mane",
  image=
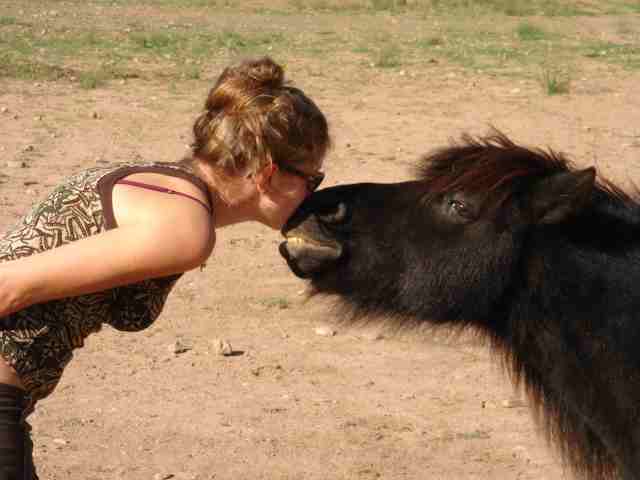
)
(494, 163)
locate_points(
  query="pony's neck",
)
(576, 309)
(572, 327)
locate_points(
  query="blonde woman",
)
(108, 244)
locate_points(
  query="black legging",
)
(16, 449)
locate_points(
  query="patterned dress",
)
(38, 341)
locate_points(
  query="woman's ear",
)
(263, 177)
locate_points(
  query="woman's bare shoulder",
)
(156, 198)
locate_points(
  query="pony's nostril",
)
(337, 215)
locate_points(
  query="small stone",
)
(520, 452)
(95, 115)
(16, 164)
(60, 441)
(513, 403)
(163, 476)
(325, 331)
(179, 346)
(29, 148)
(223, 347)
(4, 110)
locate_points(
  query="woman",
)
(108, 244)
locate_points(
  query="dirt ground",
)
(290, 403)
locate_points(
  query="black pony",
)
(541, 258)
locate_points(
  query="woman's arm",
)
(121, 256)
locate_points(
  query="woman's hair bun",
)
(263, 73)
(242, 82)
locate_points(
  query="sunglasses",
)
(313, 180)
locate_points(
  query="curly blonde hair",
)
(253, 118)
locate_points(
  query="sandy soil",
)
(292, 404)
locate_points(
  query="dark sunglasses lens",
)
(313, 181)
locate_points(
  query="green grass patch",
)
(618, 7)
(555, 80)
(100, 76)
(7, 21)
(92, 80)
(77, 44)
(481, 47)
(25, 69)
(429, 42)
(189, 3)
(246, 43)
(354, 6)
(507, 7)
(514, 8)
(335, 6)
(168, 3)
(625, 55)
(388, 56)
(388, 5)
(479, 50)
(528, 32)
(56, 46)
(204, 44)
(159, 41)
(31, 54)
(487, 36)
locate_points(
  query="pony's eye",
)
(459, 208)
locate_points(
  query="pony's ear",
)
(561, 196)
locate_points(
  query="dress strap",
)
(156, 188)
